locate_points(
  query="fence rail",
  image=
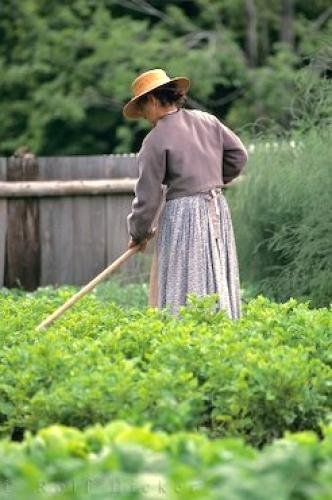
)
(65, 188)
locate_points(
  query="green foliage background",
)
(66, 67)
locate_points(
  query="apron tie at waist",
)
(214, 211)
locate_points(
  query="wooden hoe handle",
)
(89, 286)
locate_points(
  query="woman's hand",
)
(141, 245)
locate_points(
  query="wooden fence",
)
(63, 219)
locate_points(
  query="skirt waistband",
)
(210, 192)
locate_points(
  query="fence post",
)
(22, 262)
(3, 220)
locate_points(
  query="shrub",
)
(255, 377)
(282, 219)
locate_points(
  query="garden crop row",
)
(126, 462)
(256, 377)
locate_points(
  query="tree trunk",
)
(265, 38)
(251, 32)
(287, 22)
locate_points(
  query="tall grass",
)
(282, 216)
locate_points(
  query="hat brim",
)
(130, 110)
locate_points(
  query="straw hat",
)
(148, 81)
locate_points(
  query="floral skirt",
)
(195, 252)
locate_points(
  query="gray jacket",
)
(186, 152)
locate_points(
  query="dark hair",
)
(168, 93)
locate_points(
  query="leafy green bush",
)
(123, 294)
(255, 377)
(121, 461)
(282, 219)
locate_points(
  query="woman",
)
(193, 155)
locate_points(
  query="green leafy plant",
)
(124, 461)
(256, 377)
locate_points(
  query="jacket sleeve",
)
(235, 155)
(148, 189)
